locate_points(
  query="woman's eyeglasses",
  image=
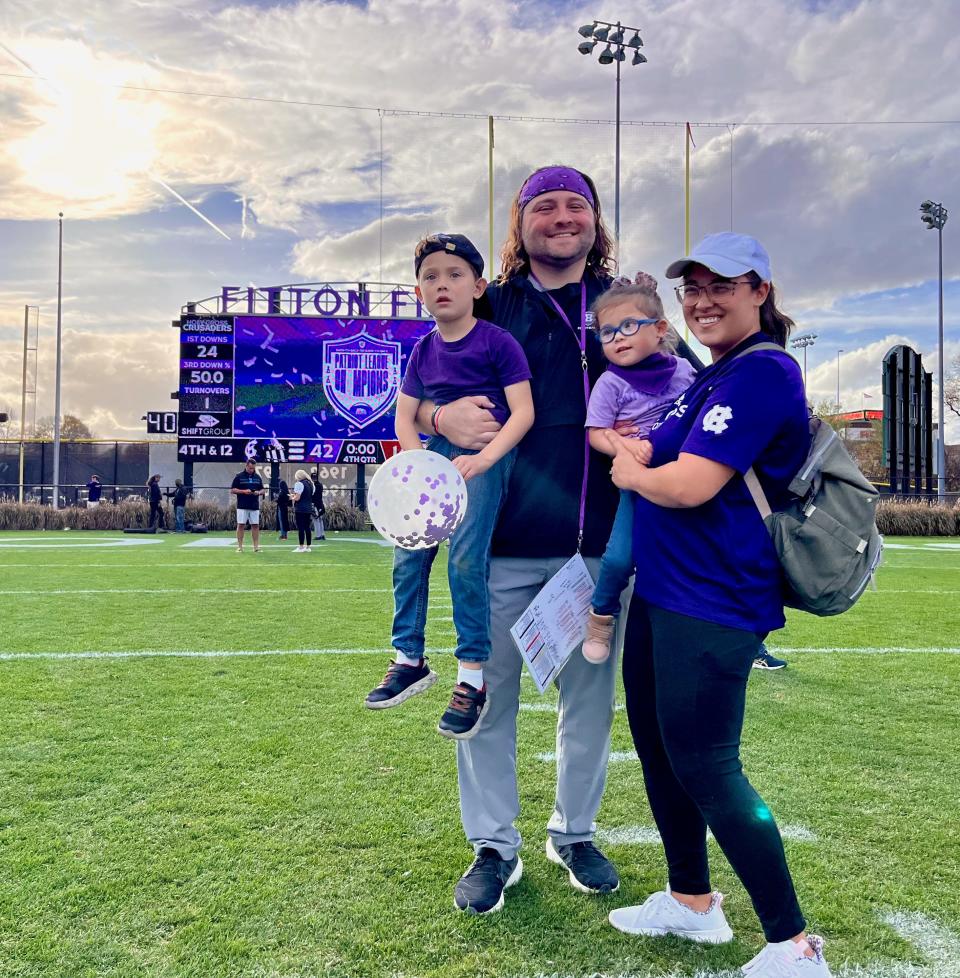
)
(689, 295)
(627, 328)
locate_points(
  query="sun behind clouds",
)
(90, 144)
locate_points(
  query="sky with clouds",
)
(819, 126)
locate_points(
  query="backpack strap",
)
(756, 492)
(768, 345)
(750, 476)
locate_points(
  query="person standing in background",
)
(248, 488)
(318, 508)
(155, 495)
(94, 491)
(180, 506)
(283, 510)
(303, 510)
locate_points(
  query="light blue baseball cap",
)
(727, 254)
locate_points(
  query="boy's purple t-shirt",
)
(483, 362)
(614, 399)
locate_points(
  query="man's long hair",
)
(515, 260)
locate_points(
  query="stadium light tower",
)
(801, 342)
(603, 32)
(935, 216)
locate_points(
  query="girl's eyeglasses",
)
(627, 328)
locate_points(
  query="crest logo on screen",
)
(361, 376)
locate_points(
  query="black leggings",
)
(686, 683)
(304, 523)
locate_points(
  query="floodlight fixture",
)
(612, 35)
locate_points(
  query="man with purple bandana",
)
(557, 259)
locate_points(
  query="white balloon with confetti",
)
(417, 499)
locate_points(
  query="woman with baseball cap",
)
(707, 591)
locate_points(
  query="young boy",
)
(462, 357)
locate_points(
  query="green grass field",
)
(176, 802)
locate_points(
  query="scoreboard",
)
(291, 388)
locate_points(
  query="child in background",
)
(642, 379)
(462, 357)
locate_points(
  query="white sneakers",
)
(661, 914)
(788, 959)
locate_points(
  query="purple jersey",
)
(483, 362)
(615, 398)
(717, 561)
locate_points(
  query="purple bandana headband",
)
(555, 178)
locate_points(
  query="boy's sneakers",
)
(481, 887)
(467, 707)
(239, 550)
(765, 660)
(662, 914)
(788, 959)
(596, 646)
(399, 684)
(590, 870)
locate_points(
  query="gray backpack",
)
(827, 538)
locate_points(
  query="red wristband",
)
(436, 419)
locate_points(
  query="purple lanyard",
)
(581, 339)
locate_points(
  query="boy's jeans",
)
(179, 512)
(468, 567)
(617, 564)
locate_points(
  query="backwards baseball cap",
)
(555, 178)
(453, 244)
(727, 254)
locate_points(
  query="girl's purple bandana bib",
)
(650, 376)
(555, 178)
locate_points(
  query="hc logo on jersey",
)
(361, 376)
(716, 419)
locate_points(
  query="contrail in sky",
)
(187, 203)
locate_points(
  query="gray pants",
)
(487, 764)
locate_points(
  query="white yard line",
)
(552, 708)
(615, 756)
(89, 545)
(439, 650)
(318, 590)
(188, 654)
(868, 650)
(648, 835)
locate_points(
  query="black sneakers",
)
(399, 684)
(481, 887)
(590, 870)
(467, 707)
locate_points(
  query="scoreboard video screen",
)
(291, 388)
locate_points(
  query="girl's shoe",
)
(596, 646)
